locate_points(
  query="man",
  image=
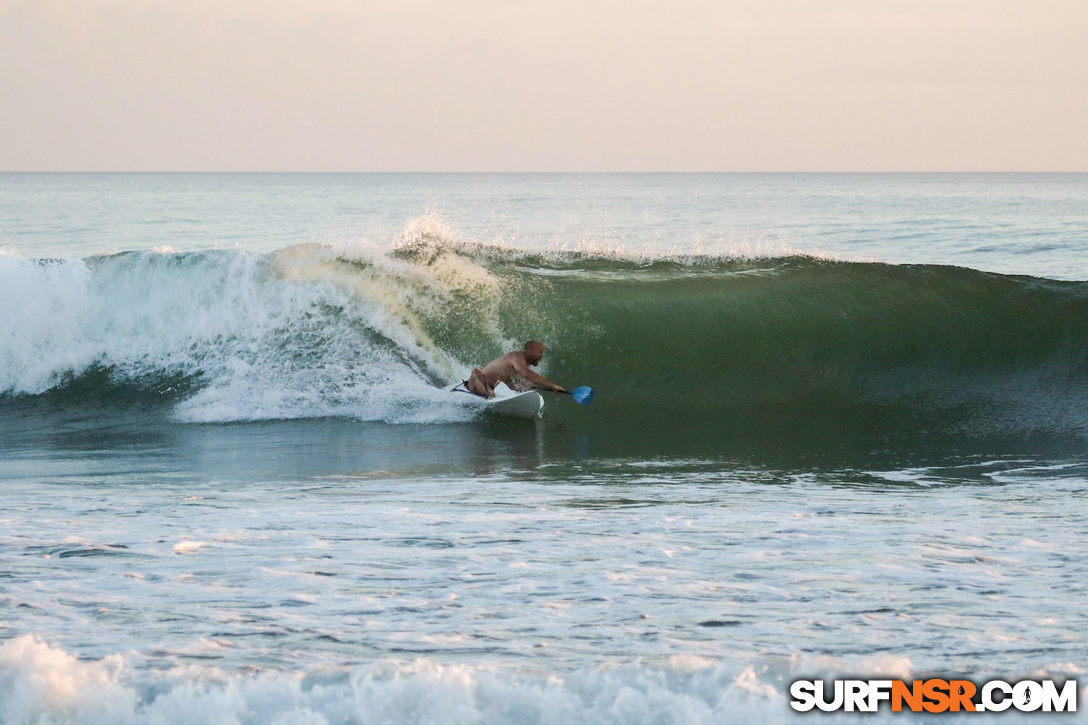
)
(513, 369)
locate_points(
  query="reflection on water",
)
(42, 443)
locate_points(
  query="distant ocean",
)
(840, 429)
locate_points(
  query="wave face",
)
(866, 348)
(696, 349)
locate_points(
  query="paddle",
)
(582, 395)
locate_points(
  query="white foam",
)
(43, 683)
(47, 336)
(188, 547)
(299, 333)
(40, 682)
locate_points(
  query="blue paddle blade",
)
(583, 395)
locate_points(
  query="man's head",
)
(534, 351)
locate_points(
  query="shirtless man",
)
(513, 369)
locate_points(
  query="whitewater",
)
(841, 430)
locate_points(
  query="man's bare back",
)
(513, 369)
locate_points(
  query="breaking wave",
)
(700, 346)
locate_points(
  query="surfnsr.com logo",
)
(934, 695)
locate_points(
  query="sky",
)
(550, 85)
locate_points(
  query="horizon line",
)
(529, 172)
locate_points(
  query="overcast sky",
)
(511, 85)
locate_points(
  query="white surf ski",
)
(507, 401)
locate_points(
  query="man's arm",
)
(539, 381)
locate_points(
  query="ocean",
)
(840, 430)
